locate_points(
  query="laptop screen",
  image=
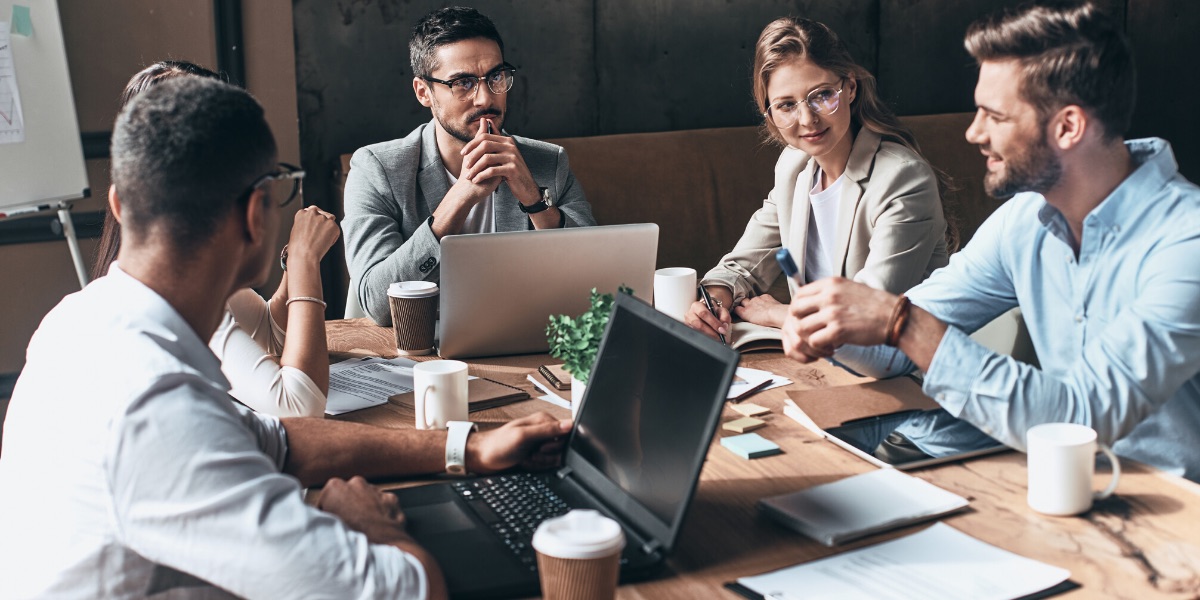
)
(651, 408)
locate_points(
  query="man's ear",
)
(1068, 127)
(424, 94)
(255, 218)
(114, 203)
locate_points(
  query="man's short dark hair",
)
(183, 152)
(1070, 53)
(446, 26)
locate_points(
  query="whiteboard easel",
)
(42, 166)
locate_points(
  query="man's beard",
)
(1036, 169)
(463, 135)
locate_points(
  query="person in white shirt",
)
(267, 374)
(128, 472)
(853, 196)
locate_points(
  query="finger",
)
(537, 417)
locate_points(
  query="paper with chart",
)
(12, 126)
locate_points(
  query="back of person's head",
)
(109, 245)
(446, 26)
(791, 38)
(1070, 54)
(184, 153)
(159, 72)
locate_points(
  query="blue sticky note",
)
(750, 445)
(21, 23)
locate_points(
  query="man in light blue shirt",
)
(1098, 248)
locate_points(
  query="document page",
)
(939, 563)
(365, 382)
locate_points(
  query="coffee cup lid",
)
(579, 534)
(412, 289)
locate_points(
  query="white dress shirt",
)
(128, 472)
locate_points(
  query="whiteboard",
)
(48, 165)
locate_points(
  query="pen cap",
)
(786, 263)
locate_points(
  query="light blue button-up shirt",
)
(1116, 328)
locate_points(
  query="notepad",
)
(750, 445)
(744, 425)
(749, 409)
(482, 394)
(861, 505)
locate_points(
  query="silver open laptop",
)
(498, 290)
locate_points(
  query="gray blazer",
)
(392, 190)
(891, 231)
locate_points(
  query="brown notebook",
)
(482, 394)
(556, 376)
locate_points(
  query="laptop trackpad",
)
(433, 519)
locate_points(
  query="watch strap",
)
(545, 202)
(456, 446)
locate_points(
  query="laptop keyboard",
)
(513, 506)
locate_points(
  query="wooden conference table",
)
(1143, 542)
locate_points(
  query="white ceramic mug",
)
(674, 291)
(440, 393)
(1062, 460)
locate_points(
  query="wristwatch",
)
(283, 257)
(546, 202)
(456, 446)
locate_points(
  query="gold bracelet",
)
(306, 299)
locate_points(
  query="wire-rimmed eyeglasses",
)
(286, 172)
(821, 101)
(499, 81)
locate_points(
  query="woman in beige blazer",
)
(853, 196)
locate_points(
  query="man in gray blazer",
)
(458, 173)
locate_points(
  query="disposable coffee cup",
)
(414, 315)
(579, 556)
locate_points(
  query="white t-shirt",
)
(482, 218)
(821, 241)
(127, 472)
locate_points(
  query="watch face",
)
(547, 198)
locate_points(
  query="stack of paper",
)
(365, 382)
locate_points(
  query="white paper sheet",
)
(745, 379)
(550, 396)
(939, 563)
(12, 125)
(365, 382)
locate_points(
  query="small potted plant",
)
(575, 341)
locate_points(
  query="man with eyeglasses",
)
(459, 173)
(1097, 246)
(128, 471)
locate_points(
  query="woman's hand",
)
(762, 310)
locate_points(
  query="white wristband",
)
(456, 446)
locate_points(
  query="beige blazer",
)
(891, 231)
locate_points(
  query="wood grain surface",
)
(1143, 542)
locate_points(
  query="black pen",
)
(713, 312)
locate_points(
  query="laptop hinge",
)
(563, 472)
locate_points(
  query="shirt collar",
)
(1154, 166)
(158, 319)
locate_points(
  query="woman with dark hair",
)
(273, 353)
(853, 196)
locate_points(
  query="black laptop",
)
(640, 438)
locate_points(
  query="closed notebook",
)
(482, 394)
(556, 376)
(861, 505)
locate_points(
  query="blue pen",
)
(788, 265)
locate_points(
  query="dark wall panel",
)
(1166, 45)
(666, 65)
(923, 68)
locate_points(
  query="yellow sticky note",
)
(750, 409)
(744, 424)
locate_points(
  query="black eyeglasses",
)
(499, 81)
(286, 172)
